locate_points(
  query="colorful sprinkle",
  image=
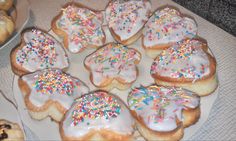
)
(94, 106)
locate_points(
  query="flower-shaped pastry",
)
(38, 50)
(98, 116)
(166, 27)
(127, 18)
(79, 26)
(113, 65)
(50, 92)
(187, 64)
(162, 112)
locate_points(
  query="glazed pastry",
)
(80, 27)
(127, 18)
(162, 113)
(6, 4)
(7, 26)
(10, 131)
(50, 92)
(38, 50)
(187, 64)
(166, 27)
(97, 116)
(113, 66)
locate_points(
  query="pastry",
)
(10, 131)
(50, 92)
(38, 50)
(127, 18)
(7, 26)
(166, 27)
(80, 27)
(97, 116)
(6, 4)
(162, 113)
(113, 66)
(187, 64)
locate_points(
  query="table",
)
(221, 124)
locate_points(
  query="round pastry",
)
(166, 27)
(187, 64)
(7, 26)
(6, 4)
(162, 113)
(113, 66)
(127, 18)
(10, 131)
(38, 50)
(50, 92)
(79, 26)
(97, 116)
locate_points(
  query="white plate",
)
(20, 14)
(48, 130)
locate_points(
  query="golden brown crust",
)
(7, 29)
(6, 5)
(63, 34)
(26, 91)
(110, 83)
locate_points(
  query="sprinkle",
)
(95, 106)
(54, 80)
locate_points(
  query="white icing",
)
(121, 124)
(39, 99)
(41, 51)
(127, 18)
(113, 61)
(160, 106)
(186, 59)
(82, 26)
(168, 26)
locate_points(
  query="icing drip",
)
(127, 18)
(168, 26)
(96, 111)
(83, 27)
(41, 51)
(160, 106)
(113, 60)
(183, 60)
(55, 85)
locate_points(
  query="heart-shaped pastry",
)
(113, 65)
(79, 26)
(38, 50)
(166, 27)
(98, 116)
(186, 64)
(50, 92)
(163, 112)
(127, 18)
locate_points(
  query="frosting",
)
(41, 51)
(82, 26)
(126, 18)
(96, 111)
(168, 26)
(186, 59)
(113, 61)
(53, 84)
(160, 106)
